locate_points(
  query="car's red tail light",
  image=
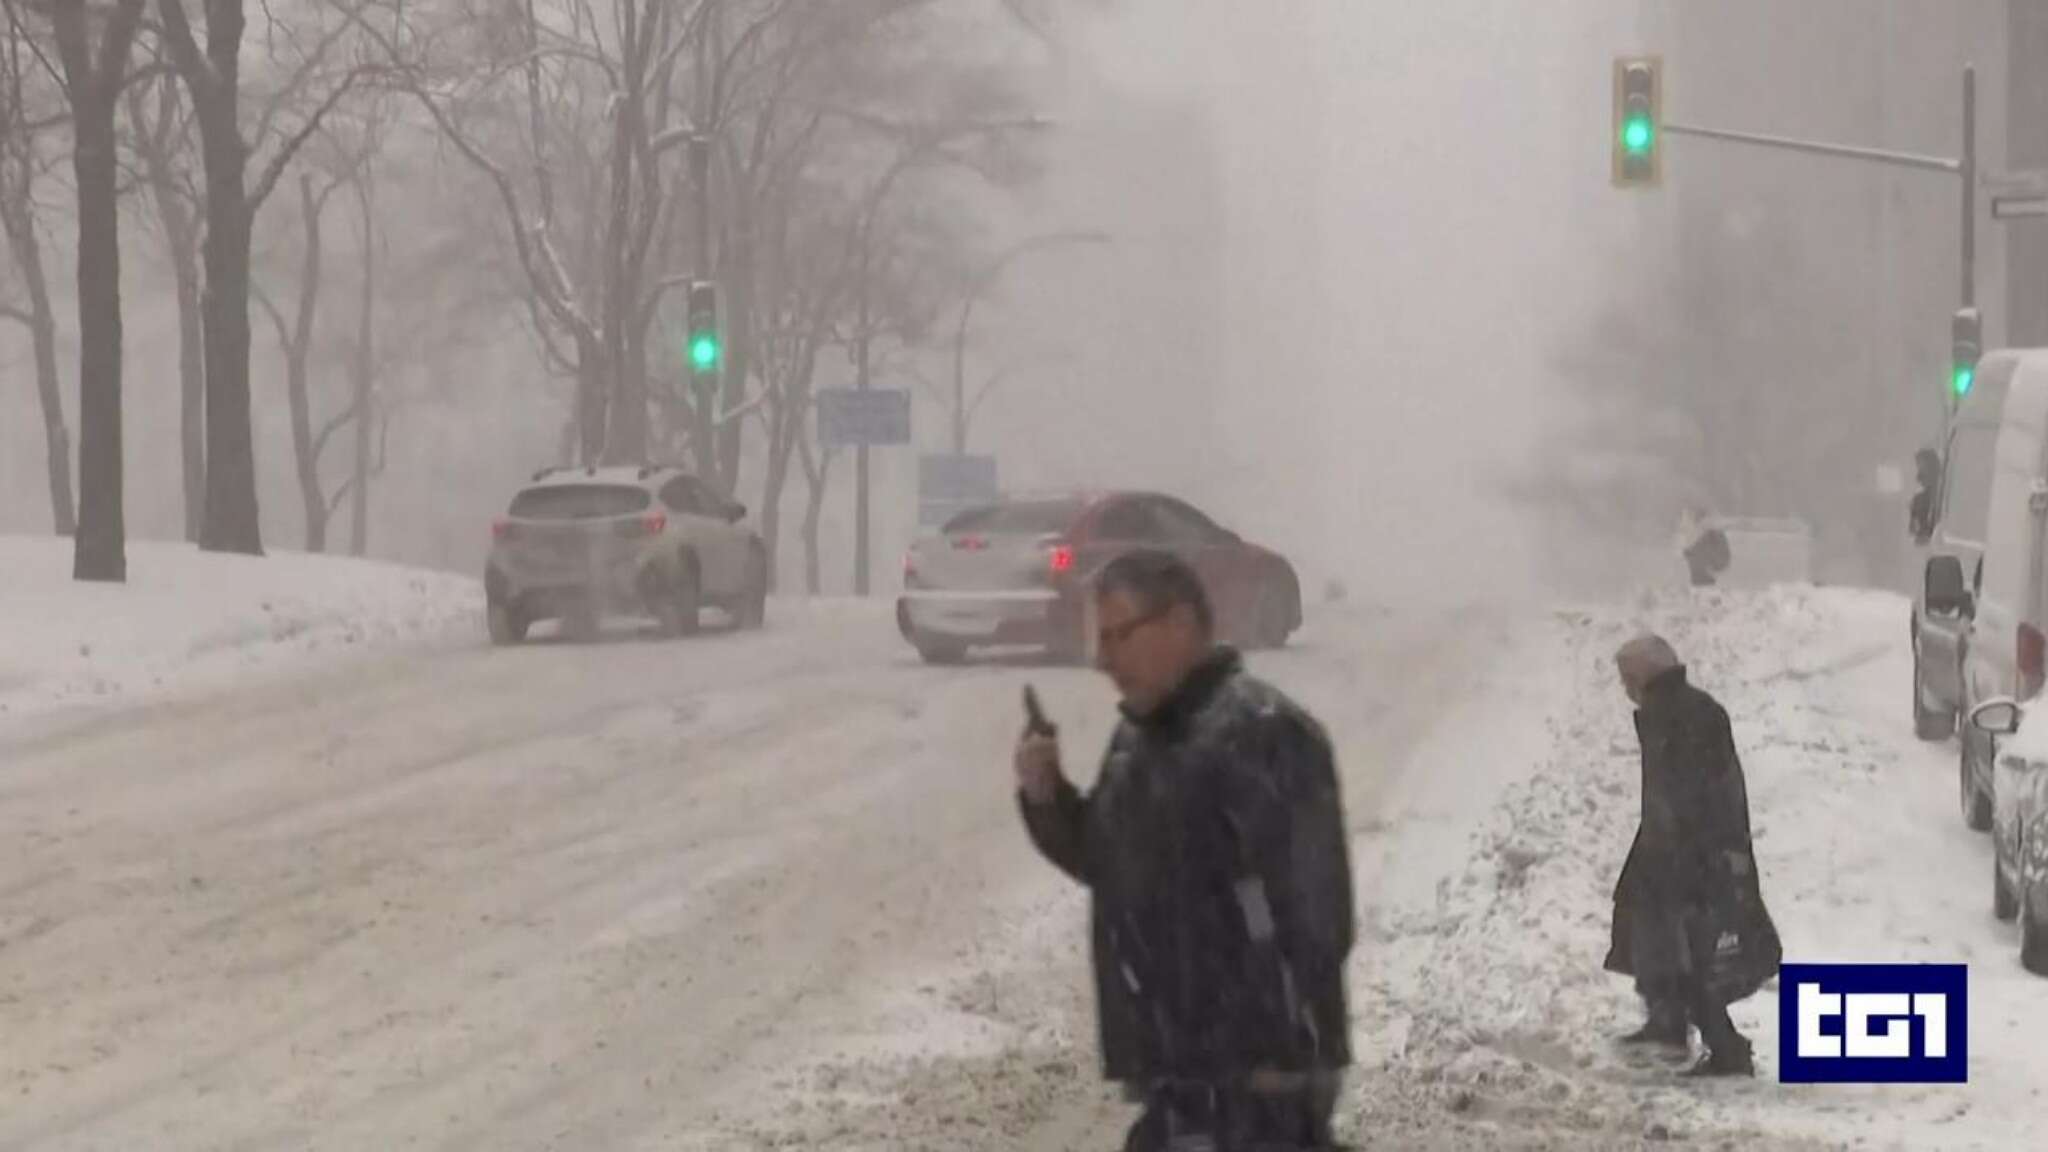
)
(2033, 660)
(501, 529)
(652, 524)
(1060, 560)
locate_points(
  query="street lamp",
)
(923, 142)
(983, 283)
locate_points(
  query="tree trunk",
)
(819, 474)
(739, 342)
(28, 256)
(100, 547)
(297, 349)
(785, 431)
(181, 243)
(626, 439)
(233, 522)
(592, 394)
(365, 372)
(772, 487)
(184, 248)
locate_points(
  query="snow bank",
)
(187, 619)
(1506, 1015)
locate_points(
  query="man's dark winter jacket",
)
(1213, 844)
(1692, 862)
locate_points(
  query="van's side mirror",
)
(1946, 594)
(2000, 717)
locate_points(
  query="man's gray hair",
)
(1645, 658)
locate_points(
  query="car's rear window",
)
(579, 502)
(1032, 518)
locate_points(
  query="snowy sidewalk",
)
(188, 620)
(1489, 1004)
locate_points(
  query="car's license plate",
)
(967, 621)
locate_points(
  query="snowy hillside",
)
(188, 620)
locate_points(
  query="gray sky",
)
(1417, 208)
(1406, 208)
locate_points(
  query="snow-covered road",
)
(632, 894)
(768, 891)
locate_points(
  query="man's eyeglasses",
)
(1116, 635)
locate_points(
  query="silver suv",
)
(578, 544)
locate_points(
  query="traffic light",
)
(1966, 341)
(1638, 120)
(706, 346)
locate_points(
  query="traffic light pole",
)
(863, 565)
(1969, 175)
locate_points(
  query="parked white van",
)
(2006, 653)
(1948, 558)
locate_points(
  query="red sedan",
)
(1016, 573)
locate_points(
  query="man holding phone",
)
(1214, 849)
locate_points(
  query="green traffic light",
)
(1637, 134)
(704, 352)
(1965, 376)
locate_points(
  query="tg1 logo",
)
(1874, 1024)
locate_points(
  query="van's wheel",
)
(2033, 939)
(753, 609)
(506, 624)
(680, 608)
(2004, 905)
(1976, 805)
(1928, 725)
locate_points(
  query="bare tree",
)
(95, 68)
(162, 131)
(29, 108)
(295, 338)
(363, 368)
(567, 121)
(213, 81)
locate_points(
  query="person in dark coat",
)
(1922, 512)
(1689, 917)
(1214, 850)
(1705, 547)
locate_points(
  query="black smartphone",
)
(1034, 715)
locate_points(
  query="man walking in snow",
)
(1213, 847)
(1689, 918)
